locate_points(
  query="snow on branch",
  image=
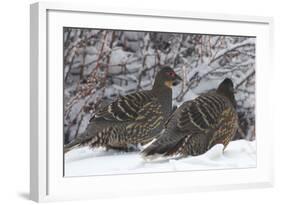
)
(100, 65)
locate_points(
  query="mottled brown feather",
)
(198, 125)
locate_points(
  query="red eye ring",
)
(171, 73)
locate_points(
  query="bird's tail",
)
(79, 141)
(166, 145)
(74, 143)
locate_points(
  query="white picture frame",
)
(46, 177)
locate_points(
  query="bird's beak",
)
(177, 80)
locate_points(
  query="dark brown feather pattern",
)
(198, 125)
(132, 119)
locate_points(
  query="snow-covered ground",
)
(87, 162)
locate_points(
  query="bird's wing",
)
(150, 116)
(189, 125)
(227, 126)
(201, 114)
(125, 108)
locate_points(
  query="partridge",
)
(197, 125)
(132, 119)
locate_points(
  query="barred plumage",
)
(131, 119)
(198, 125)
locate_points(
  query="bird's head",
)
(226, 89)
(167, 76)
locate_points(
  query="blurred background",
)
(100, 65)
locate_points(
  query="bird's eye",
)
(171, 73)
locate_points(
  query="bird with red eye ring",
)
(132, 119)
(171, 73)
(168, 77)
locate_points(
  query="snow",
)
(202, 61)
(87, 162)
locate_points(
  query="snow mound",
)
(87, 162)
